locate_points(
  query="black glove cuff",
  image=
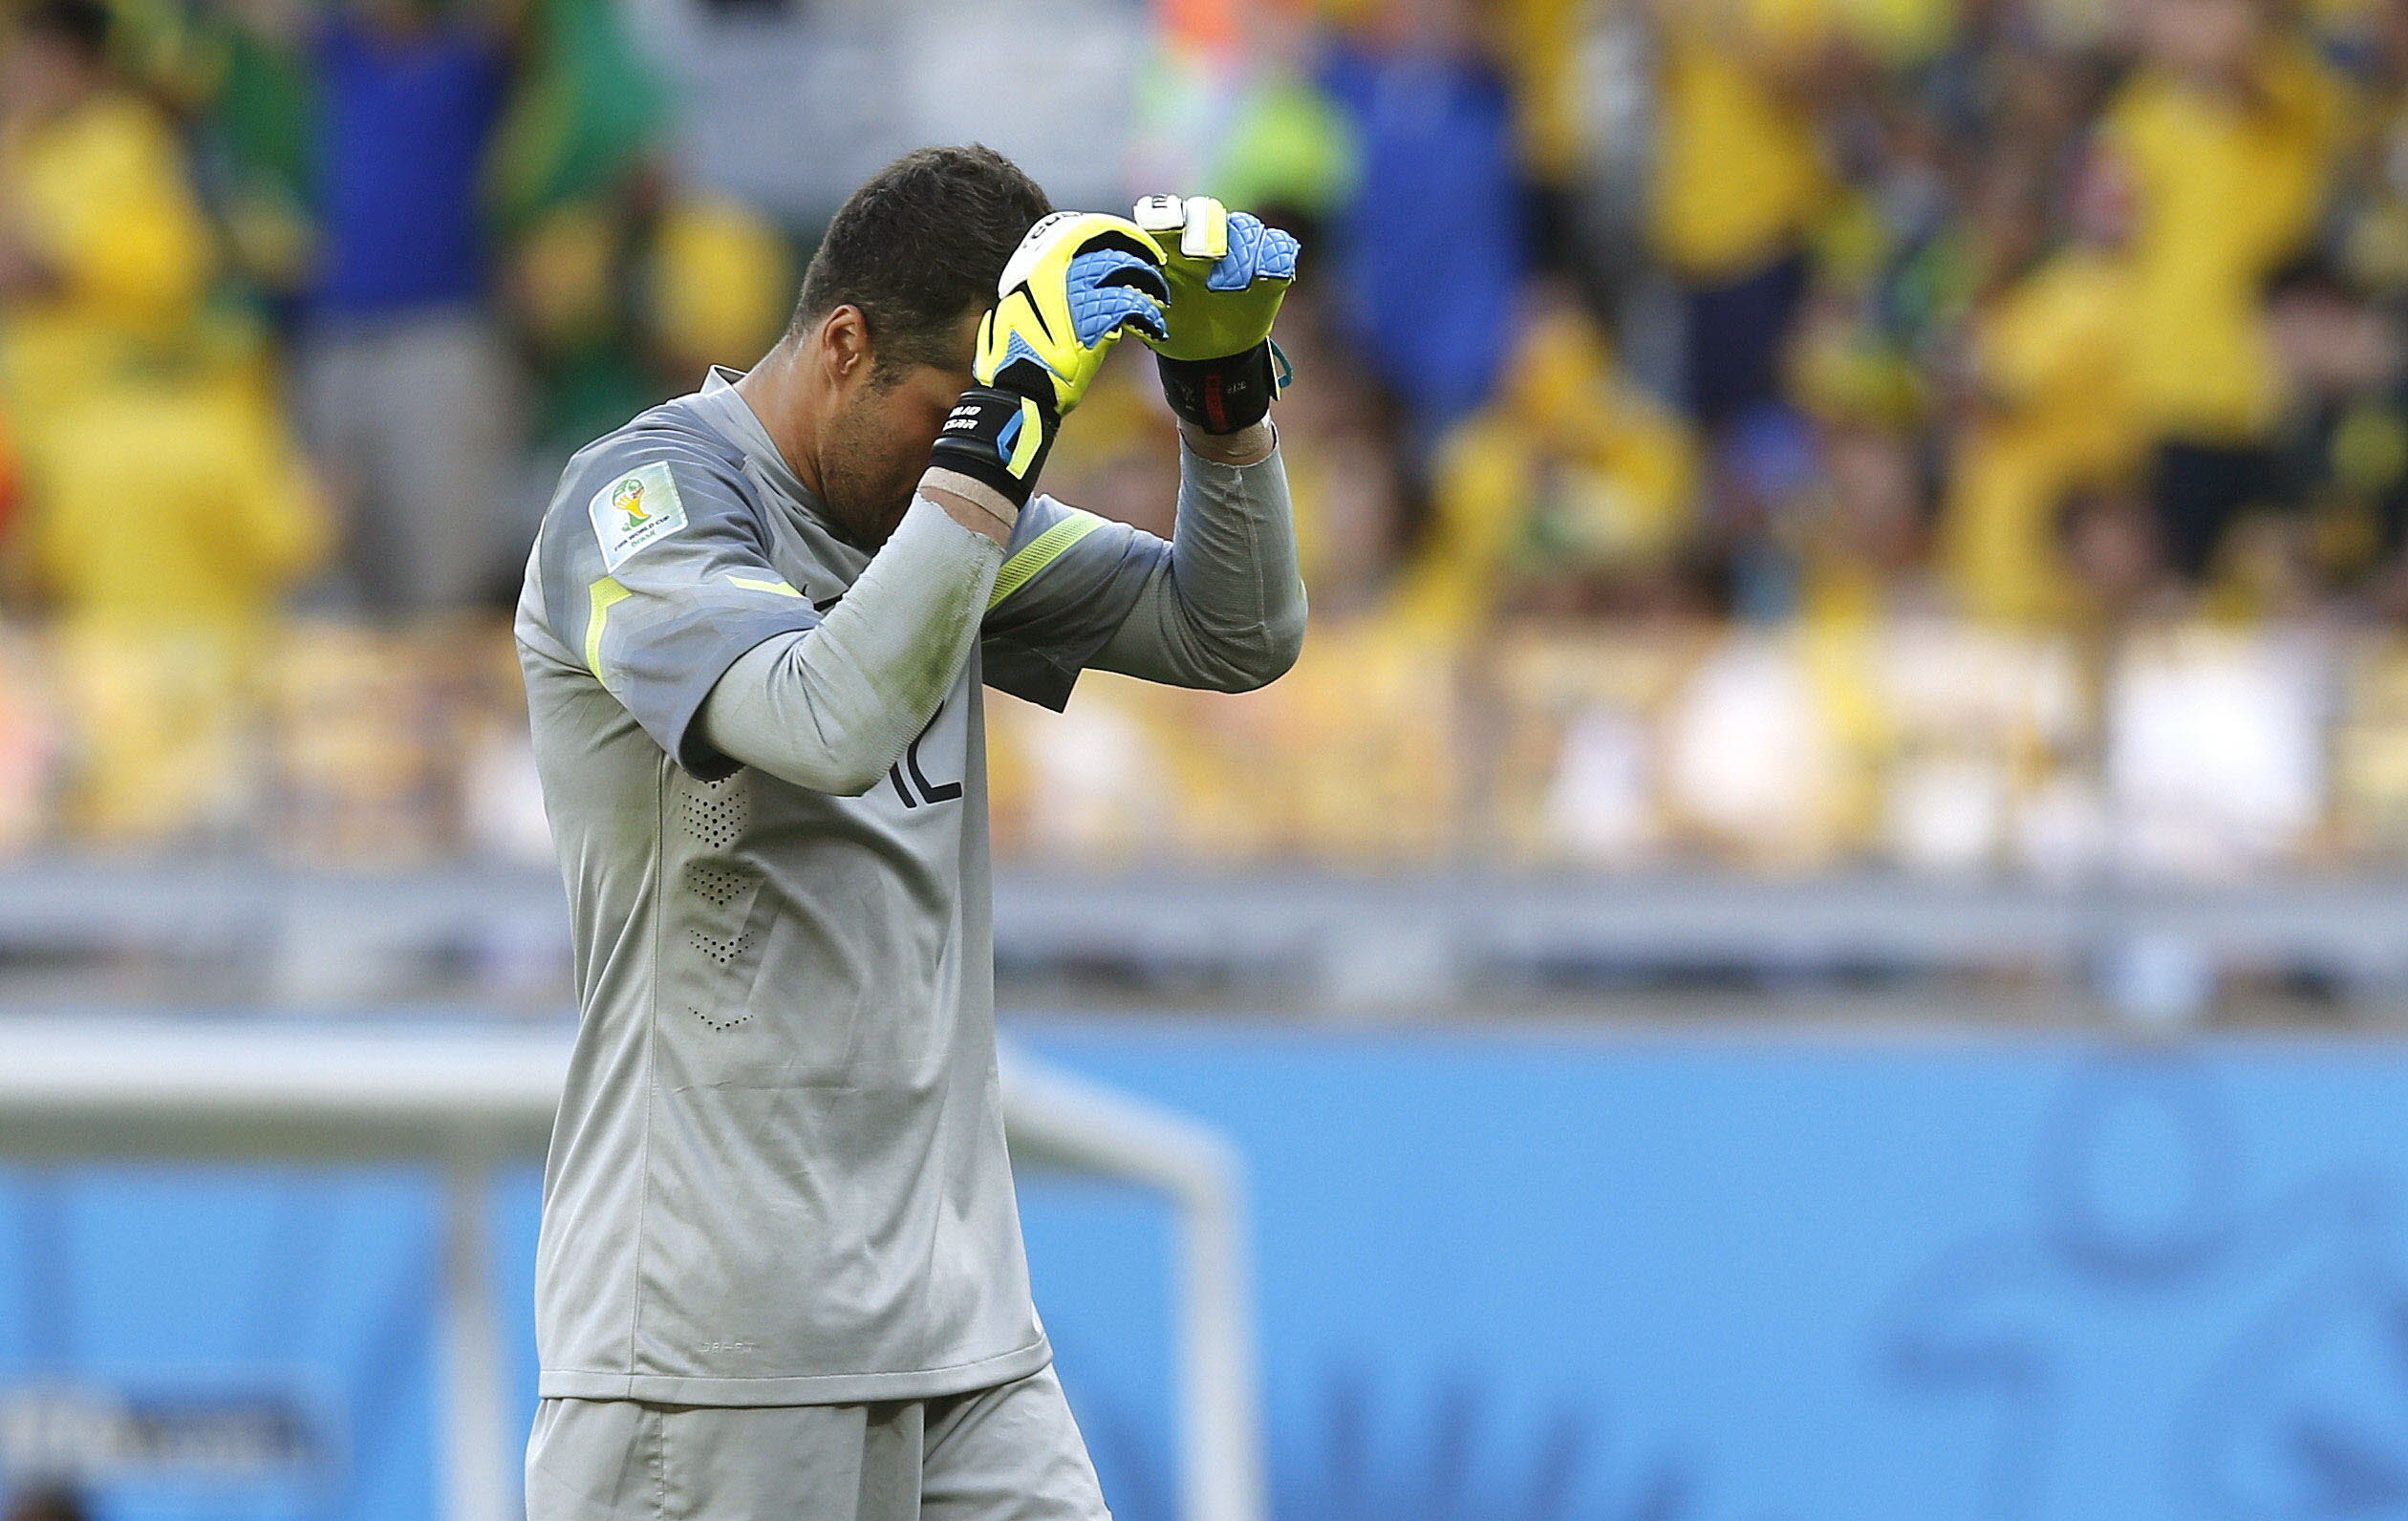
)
(998, 437)
(1221, 396)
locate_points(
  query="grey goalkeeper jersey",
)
(777, 1176)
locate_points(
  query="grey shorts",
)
(1009, 1453)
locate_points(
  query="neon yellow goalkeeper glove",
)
(1228, 275)
(1077, 282)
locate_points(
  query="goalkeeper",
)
(780, 1273)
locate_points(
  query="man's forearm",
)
(1226, 611)
(974, 504)
(831, 707)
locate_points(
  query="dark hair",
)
(923, 242)
(83, 25)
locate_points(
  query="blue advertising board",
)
(1536, 1276)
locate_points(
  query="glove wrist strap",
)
(1223, 395)
(997, 436)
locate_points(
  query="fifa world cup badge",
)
(634, 510)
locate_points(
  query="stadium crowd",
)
(1970, 434)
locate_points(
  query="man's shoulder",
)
(673, 433)
(675, 456)
(666, 476)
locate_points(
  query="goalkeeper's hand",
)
(1077, 282)
(1228, 274)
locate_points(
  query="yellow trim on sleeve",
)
(604, 595)
(753, 584)
(1041, 551)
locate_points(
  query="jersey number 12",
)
(928, 791)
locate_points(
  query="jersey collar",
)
(725, 406)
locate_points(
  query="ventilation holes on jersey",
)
(716, 886)
(717, 813)
(717, 1024)
(722, 952)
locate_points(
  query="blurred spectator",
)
(167, 551)
(1434, 242)
(405, 384)
(1570, 493)
(2227, 132)
(104, 255)
(2049, 411)
(1740, 175)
